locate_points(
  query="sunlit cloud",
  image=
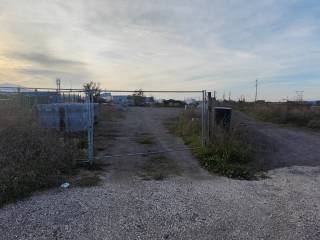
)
(176, 44)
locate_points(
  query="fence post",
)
(90, 106)
(210, 122)
(204, 121)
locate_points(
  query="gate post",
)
(210, 122)
(90, 106)
(204, 119)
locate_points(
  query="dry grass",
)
(158, 168)
(31, 158)
(88, 181)
(295, 114)
(228, 154)
(145, 140)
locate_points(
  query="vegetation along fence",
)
(69, 114)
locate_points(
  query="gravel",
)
(285, 205)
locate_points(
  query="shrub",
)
(228, 154)
(31, 158)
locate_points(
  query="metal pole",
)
(205, 119)
(202, 120)
(210, 133)
(90, 126)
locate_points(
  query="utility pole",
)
(299, 96)
(229, 96)
(58, 82)
(256, 96)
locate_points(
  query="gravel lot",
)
(190, 205)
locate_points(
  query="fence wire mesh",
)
(69, 114)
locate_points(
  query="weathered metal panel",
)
(69, 117)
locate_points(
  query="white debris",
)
(65, 185)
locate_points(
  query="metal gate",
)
(75, 110)
(202, 95)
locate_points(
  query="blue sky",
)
(164, 45)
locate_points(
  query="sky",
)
(164, 45)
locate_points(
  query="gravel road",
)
(187, 204)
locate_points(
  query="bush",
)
(228, 154)
(31, 158)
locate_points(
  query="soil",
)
(140, 131)
(279, 146)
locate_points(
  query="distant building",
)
(191, 102)
(149, 100)
(131, 101)
(106, 96)
(123, 100)
(314, 103)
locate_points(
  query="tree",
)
(138, 97)
(94, 88)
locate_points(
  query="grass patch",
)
(158, 168)
(228, 154)
(146, 140)
(87, 181)
(291, 113)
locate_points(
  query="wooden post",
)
(210, 122)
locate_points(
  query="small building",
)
(120, 99)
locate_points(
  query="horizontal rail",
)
(41, 88)
(154, 91)
(103, 90)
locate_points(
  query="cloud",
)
(41, 72)
(193, 44)
(45, 59)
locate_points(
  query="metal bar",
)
(104, 90)
(206, 117)
(152, 91)
(210, 129)
(202, 120)
(90, 126)
(39, 88)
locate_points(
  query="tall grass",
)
(299, 115)
(227, 154)
(31, 158)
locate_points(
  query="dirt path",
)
(282, 146)
(146, 125)
(186, 204)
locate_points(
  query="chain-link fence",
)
(72, 113)
(68, 113)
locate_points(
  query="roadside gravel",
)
(190, 205)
